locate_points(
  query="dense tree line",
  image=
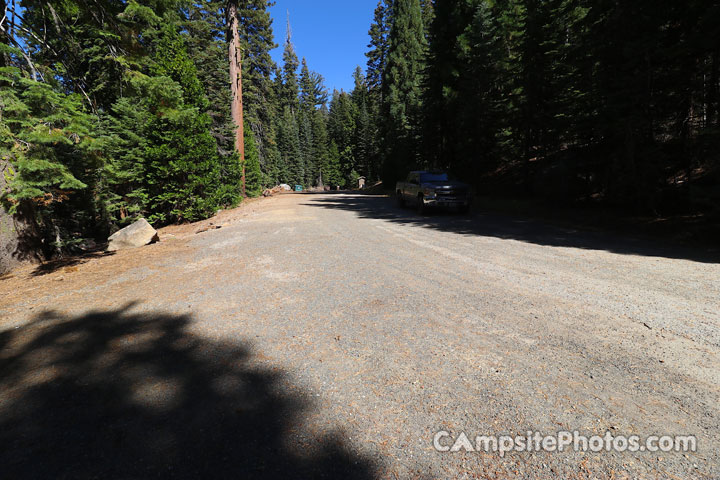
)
(116, 109)
(572, 99)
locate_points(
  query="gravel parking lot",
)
(332, 336)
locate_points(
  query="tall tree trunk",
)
(235, 57)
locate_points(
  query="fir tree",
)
(289, 145)
(254, 176)
(379, 45)
(291, 90)
(257, 40)
(364, 137)
(49, 144)
(206, 46)
(313, 93)
(320, 147)
(402, 99)
(334, 175)
(342, 127)
(306, 148)
(164, 162)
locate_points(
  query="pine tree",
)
(257, 40)
(50, 143)
(306, 148)
(402, 99)
(307, 100)
(235, 60)
(254, 176)
(375, 77)
(379, 45)
(313, 93)
(428, 15)
(313, 99)
(206, 43)
(85, 46)
(172, 60)
(364, 137)
(342, 127)
(291, 89)
(293, 162)
(206, 24)
(334, 175)
(463, 126)
(320, 147)
(287, 90)
(164, 162)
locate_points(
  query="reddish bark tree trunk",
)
(235, 57)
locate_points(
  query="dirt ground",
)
(333, 335)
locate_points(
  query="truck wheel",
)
(422, 208)
(400, 199)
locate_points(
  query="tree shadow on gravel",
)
(117, 394)
(508, 227)
(53, 266)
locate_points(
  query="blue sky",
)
(331, 34)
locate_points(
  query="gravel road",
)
(332, 336)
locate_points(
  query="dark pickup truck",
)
(433, 189)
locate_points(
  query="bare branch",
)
(33, 35)
(4, 17)
(56, 19)
(30, 63)
(87, 97)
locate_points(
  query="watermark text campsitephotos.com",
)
(562, 442)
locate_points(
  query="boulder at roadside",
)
(138, 234)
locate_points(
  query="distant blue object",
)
(298, 188)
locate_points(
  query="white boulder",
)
(138, 234)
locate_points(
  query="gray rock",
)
(136, 235)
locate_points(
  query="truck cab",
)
(433, 189)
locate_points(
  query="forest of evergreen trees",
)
(115, 109)
(596, 101)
